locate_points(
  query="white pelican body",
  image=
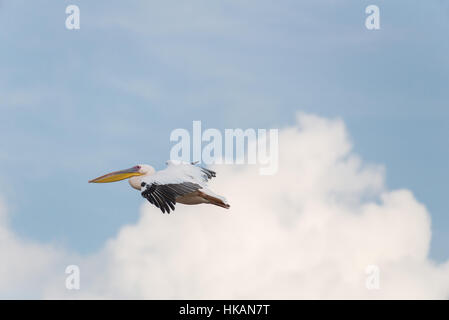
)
(180, 182)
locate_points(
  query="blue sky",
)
(77, 104)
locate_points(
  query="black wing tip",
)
(159, 198)
(209, 173)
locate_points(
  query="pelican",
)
(181, 182)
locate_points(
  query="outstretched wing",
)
(178, 179)
(164, 196)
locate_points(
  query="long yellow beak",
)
(118, 175)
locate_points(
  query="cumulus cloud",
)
(26, 268)
(310, 231)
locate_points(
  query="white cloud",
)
(26, 268)
(308, 232)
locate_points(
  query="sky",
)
(76, 104)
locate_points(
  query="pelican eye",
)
(143, 184)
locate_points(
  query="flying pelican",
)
(181, 182)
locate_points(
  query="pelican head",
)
(133, 174)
